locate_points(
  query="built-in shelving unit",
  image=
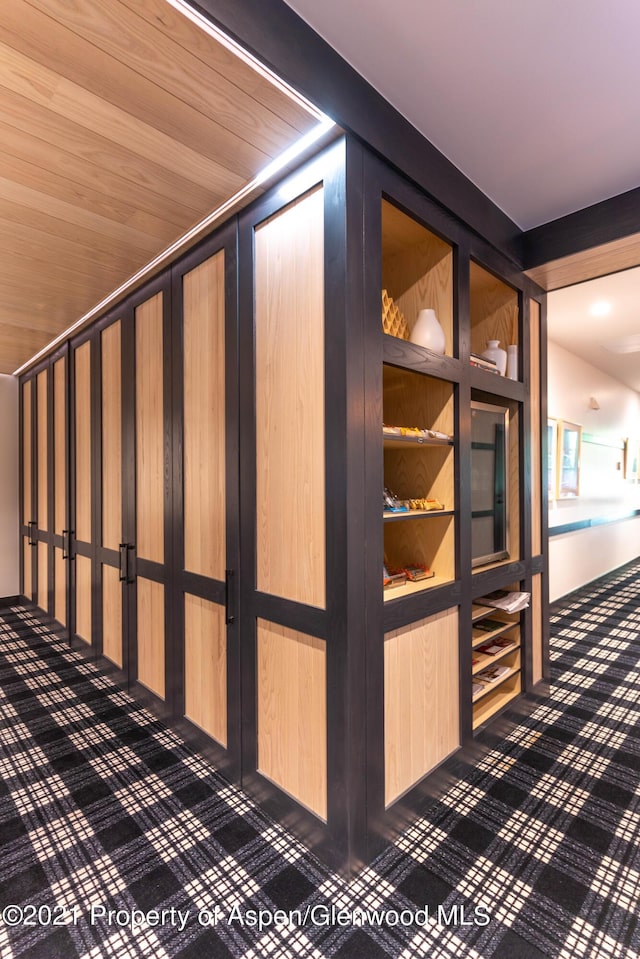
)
(498, 631)
(419, 468)
(265, 345)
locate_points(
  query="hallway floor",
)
(118, 841)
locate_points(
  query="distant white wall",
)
(577, 558)
(9, 540)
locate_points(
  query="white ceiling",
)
(536, 102)
(573, 326)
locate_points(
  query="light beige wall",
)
(579, 557)
(9, 542)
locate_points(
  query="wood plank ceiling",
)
(122, 125)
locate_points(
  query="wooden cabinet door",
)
(205, 500)
(111, 553)
(59, 493)
(82, 438)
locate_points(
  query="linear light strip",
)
(170, 253)
(226, 41)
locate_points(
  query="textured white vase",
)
(427, 332)
(497, 354)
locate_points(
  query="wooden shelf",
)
(480, 637)
(389, 516)
(410, 356)
(485, 660)
(500, 386)
(491, 702)
(412, 442)
(409, 588)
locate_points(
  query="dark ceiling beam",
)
(604, 222)
(278, 37)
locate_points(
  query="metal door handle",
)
(66, 544)
(228, 601)
(32, 540)
(122, 573)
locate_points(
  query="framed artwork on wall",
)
(569, 450)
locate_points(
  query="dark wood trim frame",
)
(604, 222)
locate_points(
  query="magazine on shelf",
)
(492, 673)
(476, 688)
(509, 601)
(496, 646)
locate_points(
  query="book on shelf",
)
(492, 674)
(489, 625)
(510, 601)
(496, 646)
(483, 363)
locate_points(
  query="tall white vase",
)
(498, 355)
(427, 332)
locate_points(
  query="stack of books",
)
(483, 363)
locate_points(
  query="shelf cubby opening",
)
(493, 310)
(417, 271)
(428, 541)
(495, 700)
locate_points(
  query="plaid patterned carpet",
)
(118, 841)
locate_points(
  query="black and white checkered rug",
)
(118, 841)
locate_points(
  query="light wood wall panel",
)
(205, 666)
(151, 635)
(292, 713)
(149, 431)
(60, 587)
(204, 419)
(112, 615)
(27, 458)
(43, 576)
(43, 459)
(421, 700)
(111, 436)
(82, 360)
(59, 446)
(290, 461)
(27, 561)
(83, 598)
(536, 437)
(536, 639)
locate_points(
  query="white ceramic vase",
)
(512, 362)
(497, 354)
(427, 332)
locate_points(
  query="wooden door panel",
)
(112, 637)
(205, 664)
(82, 428)
(149, 421)
(204, 419)
(151, 635)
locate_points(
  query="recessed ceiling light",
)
(600, 308)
